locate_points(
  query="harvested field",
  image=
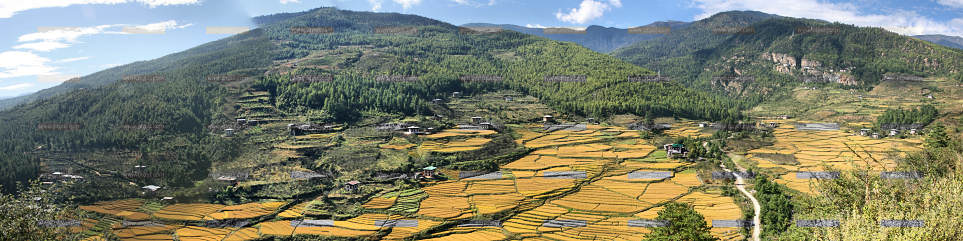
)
(805, 150)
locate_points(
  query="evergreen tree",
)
(683, 224)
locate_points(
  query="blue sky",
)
(44, 42)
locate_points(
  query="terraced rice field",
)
(448, 146)
(458, 132)
(605, 199)
(796, 151)
(578, 184)
(687, 129)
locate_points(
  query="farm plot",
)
(602, 208)
(687, 129)
(188, 212)
(246, 211)
(449, 146)
(797, 151)
(460, 132)
(129, 209)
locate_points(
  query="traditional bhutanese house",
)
(352, 186)
(167, 198)
(437, 101)
(228, 132)
(875, 135)
(508, 98)
(475, 120)
(912, 132)
(152, 188)
(241, 122)
(893, 132)
(703, 125)
(486, 125)
(784, 117)
(456, 94)
(864, 132)
(428, 172)
(429, 130)
(413, 130)
(675, 149)
(548, 119)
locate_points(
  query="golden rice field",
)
(459, 132)
(812, 151)
(125, 208)
(687, 129)
(443, 146)
(606, 199)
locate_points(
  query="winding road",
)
(757, 210)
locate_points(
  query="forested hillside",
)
(174, 91)
(773, 52)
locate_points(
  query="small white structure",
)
(893, 132)
(875, 135)
(475, 120)
(228, 132)
(413, 130)
(152, 188)
(913, 131)
(548, 119)
(864, 132)
(703, 125)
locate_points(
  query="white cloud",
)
(51, 38)
(406, 4)
(19, 63)
(16, 86)
(902, 22)
(55, 78)
(68, 34)
(375, 5)
(587, 11)
(290, 1)
(534, 26)
(68, 60)
(44, 46)
(951, 3)
(10, 7)
(155, 28)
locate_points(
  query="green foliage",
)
(684, 223)
(922, 115)
(936, 137)
(777, 208)
(35, 214)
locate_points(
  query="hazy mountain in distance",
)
(598, 38)
(948, 41)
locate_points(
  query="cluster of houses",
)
(405, 128)
(477, 123)
(59, 176)
(425, 173)
(308, 128)
(240, 124)
(892, 132)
